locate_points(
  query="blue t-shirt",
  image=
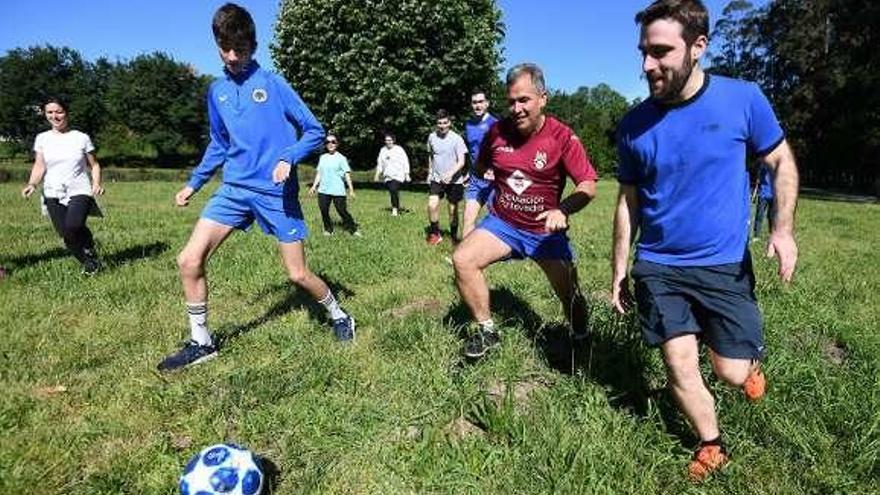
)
(688, 163)
(474, 131)
(331, 174)
(765, 186)
(256, 119)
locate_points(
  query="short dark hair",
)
(480, 91)
(442, 114)
(234, 28)
(388, 134)
(58, 100)
(691, 14)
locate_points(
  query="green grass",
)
(375, 417)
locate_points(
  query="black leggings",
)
(394, 190)
(70, 223)
(341, 208)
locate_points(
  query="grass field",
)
(84, 412)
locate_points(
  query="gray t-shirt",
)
(445, 151)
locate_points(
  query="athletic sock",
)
(453, 230)
(435, 227)
(332, 306)
(198, 323)
(715, 441)
(487, 325)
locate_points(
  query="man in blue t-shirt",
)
(764, 206)
(684, 190)
(478, 188)
(259, 129)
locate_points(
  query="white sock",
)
(198, 323)
(487, 325)
(332, 306)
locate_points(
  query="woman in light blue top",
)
(332, 176)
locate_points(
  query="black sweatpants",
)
(341, 208)
(70, 223)
(394, 191)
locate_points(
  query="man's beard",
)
(679, 78)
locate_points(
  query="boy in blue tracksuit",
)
(260, 129)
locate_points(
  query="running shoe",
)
(755, 385)
(707, 460)
(343, 328)
(480, 343)
(191, 353)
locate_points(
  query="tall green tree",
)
(365, 67)
(158, 104)
(28, 76)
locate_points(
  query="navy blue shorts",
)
(717, 303)
(278, 216)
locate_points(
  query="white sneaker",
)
(328, 233)
(357, 233)
(394, 213)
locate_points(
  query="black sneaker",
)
(91, 266)
(480, 343)
(191, 353)
(343, 328)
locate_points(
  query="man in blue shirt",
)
(764, 206)
(478, 188)
(684, 190)
(259, 129)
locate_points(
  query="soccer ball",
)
(222, 468)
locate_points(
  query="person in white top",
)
(392, 166)
(64, 160)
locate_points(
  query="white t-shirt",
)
(393, 163)
(67, 171)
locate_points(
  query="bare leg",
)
(687, 386)
(453, 220)
(471, 211)
(206, 237)
(294, 258)
(733, 371)
(562, 275)
(471, 257)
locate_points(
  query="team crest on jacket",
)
(519, 182)
(259, 95)
(540, 160)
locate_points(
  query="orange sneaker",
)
(755, 385)
(707, 459)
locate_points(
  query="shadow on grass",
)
(271, 475)
(134, 253)
(295, 298)
(614, 356)
(111, 261)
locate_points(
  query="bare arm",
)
(350, 185)
(785, 190)
(626, 221)
(37, 172)
(97, 186)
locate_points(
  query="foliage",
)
(593, 113)
(149, 108)
(367, 67)
(817, 62)
(84, 412)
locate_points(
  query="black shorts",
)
(453, 192)
(717, 303)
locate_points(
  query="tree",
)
(157, 103)
(28, 76)
(365, 67)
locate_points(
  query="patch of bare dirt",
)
(425, 305)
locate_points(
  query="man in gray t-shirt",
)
(446, 176)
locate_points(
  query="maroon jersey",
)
(530, 172)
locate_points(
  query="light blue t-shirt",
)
(331, 174)
(688, 163)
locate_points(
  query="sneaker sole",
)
(477, 356)
(353, 333)
(189, 365)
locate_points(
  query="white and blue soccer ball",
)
(223, 468)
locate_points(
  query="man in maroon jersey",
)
(530, 154)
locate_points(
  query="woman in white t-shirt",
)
(64, 160)
(392, 165)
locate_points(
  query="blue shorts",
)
(478, 189)
(278, 216)
(525, 244)
(716, 303)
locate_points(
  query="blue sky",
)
(577, 42)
